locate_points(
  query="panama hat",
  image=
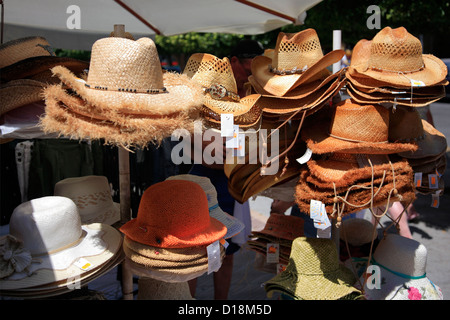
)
(313, 272)
(396, 57)
(174, 214)
(92, 195)
(126, 76)
(233, 225)
(354, 128)
(55, 243)
(402, 264)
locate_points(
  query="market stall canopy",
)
(76, 24)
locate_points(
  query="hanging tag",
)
(418, 179)
(213, 251)
(83, 264)
(273, 253)
(435, 199)
(438, 174)
(305, 158)
(324, 233)
(315, 210)
(233, 141)
(240, 150)
(281, 267)
(433, 181)
(417, 83)
(224, 243)
(226, 124)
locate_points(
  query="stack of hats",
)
(353, 170)
(49, 252)
(314, 273)
(126, 98)
(220, 93)
(279, 229)
(173, 239)
(294, 77)
(391, 68)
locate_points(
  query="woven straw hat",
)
(280, 226)
(53, 243)
(152, 289)
(297, 59)
(126, 76)
(20, 49)
(18, 93)
(233, 225)
(92, 195)
(313, 272)
(354, 128)
(174, 214)
(402, 262)
(357, 231)
(396, 57)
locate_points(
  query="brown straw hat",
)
(396, 57)
(297, 59)
(126, 76)
(354, 128)
(18, 93)
(280, 226)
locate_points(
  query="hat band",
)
(394, 71)
(283, 72)
(72, 244)
(402, 275)
(219, 92)
(131, 90)
(353, 140)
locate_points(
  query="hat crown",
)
(396, 50)
(405, 124)
(91, 194)
(46, 224)
(402, 255)
(204, 182)
(297, 50)
(23, 48)
(360, 123)
(126, 64)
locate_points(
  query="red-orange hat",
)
(174, 214)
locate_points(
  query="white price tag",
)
(418, 179)
(433, 181)
(435, 199)
(315, 209)
(233, 141)
(417, 83)
(273, 253)
(240, 150)
(213, 251)
(305, 157)
(83, 264)
(281, 267)
(226, 124)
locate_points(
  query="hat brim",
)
(182, 94)
(18, 93)
(244, 105)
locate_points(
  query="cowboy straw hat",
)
(280, 226)
(174, 214)
(297, 59)
(92, 195)
(54, 243)
(354, 128)
(20, 49)
(18, 93)
(402, 264)
(233, 225)
(396, 57)
(126, 76)
(313, 272)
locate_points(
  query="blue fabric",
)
(309, 230)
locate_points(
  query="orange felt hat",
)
(174, 214)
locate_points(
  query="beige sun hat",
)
(126, 76)
(297, 59)
(92, 195)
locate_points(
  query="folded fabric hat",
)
(174, 214)
(233, 225)
(296, 59)
(354, 128)
(92, 195)
(220, 91)
(313, 272)
(53, 246)
(402, 266)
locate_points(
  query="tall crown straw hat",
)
(233, 225)
(396, 57)
(125, 76)
(220, 94)
(402, 263)
(174, 214)
(48, 245)
(296, 59)
(92, 195)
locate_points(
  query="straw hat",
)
(126, 76)
(396, 57)
(402, 262)
(354, 128)
(280, 226)
(357, 231)
(233, 225)
(92, 195)
(297, 59)
(18, 93)
(174, 214)
(20, 49)
(313, 272)
(152, 289)
(54, 243)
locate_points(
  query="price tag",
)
(305, 157)
(226, 124)
(417, 83)
(83, 264)
(315, 210)
(433, 181)
(435, 199)
(281, 267)
(233, 141)
(240, 150)
(213, 251)
(224, 243)
(273, 253)
(418, 179)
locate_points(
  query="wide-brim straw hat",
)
(396, 57)
(313, 272)
(52, 246)
(70, 116)
(126, 76)
(18, 93)
(354, 128)
(402, 264)
(174, 214)
(297, 59)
